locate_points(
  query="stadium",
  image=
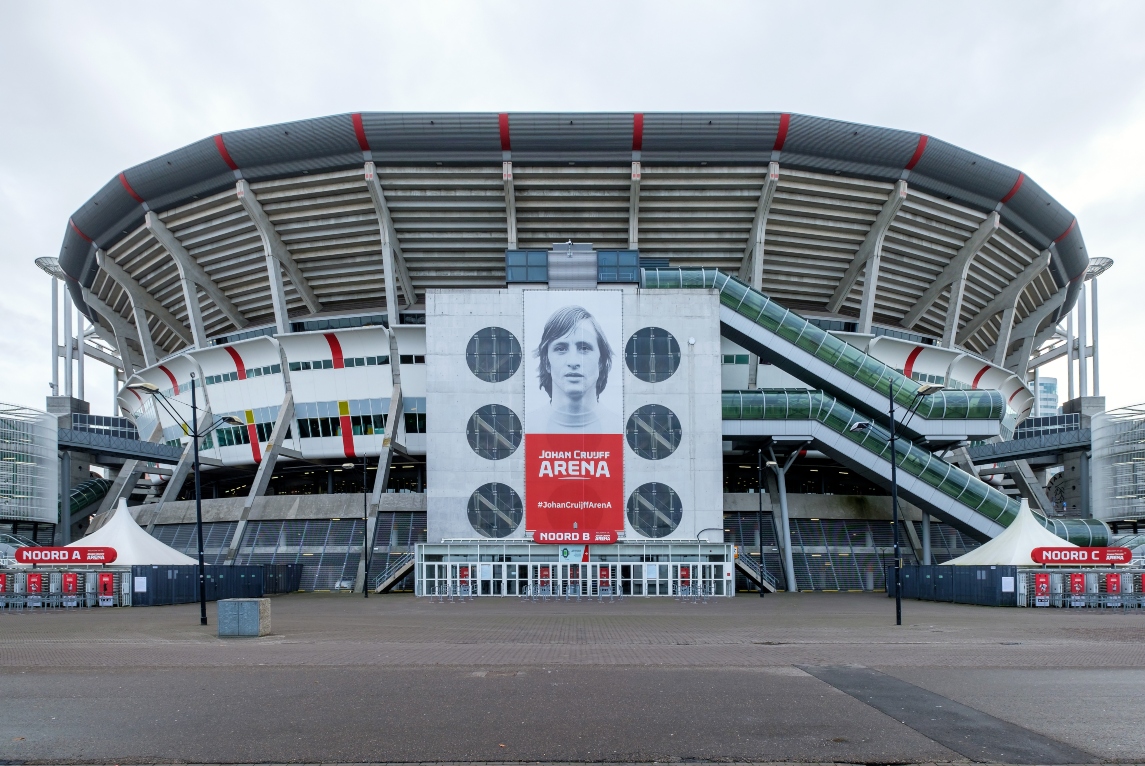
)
(695, 320)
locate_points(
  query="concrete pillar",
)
(1071, 393)
(1082, 344)
(1096, 345)
(80, 354)
(56, 337)
(67, 342)
(927, 560)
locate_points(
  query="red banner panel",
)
(68, 555)
(1074, 556)
(106, 584)
(575, 486)
(71, 583)
(35, 582)
(1113, 583)
(1077, 584)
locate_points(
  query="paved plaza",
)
(793, 677)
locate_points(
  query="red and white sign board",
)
(1075, 556)
(1042, 589)
(35, 582)
(77, 555)
(574, 427)
(1077, 589)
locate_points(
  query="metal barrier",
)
(1082, 589)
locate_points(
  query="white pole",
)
(55, 337)
(1082, 344)
(67, 341)
(1069, 352)
(1096, 346)
(114, 392)
(79, 353)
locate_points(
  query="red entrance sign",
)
(1074, 556)
(71, 583)
(1113, 583)
(35, 582)
(574, 486)
(69, 555)
(1042, 585)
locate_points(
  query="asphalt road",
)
(812, 678)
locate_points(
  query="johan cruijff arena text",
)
(451, 303)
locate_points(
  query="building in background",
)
(1046, 397)
(352, 289)
(29, 471)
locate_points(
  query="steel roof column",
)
(142, 301)
(393, 262)
(753, 254)
(867, 259)
(1007, 299)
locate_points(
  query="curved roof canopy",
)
(694, 198)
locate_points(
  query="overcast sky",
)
(88, 89)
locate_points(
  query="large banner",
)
(574, 425)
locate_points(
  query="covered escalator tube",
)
(962, 488)
(987, 405)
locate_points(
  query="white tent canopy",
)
(1014, 546)
(133, 546)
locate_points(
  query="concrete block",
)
(244, 617)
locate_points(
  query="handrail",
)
(951, 404)
(788, 404)
(402, 561)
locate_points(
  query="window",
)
(618, 266)
(494, 432)
(652, 354)
(526, 266)
(412, 358)
(654, 509)
(735, 358)
(495, 510)
(653, 432)
(493, 354)
(339, 323)
(415, 422)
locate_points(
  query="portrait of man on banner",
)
(573, 425)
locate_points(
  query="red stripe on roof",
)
(222, 147)
(128, 189)
(503, 124)
(240, 368)
(637, 131)
(908, 368)
(918, 152)
(335, 349)
(170, 377)
(781, 136)
(252, 434)
(1065, 233)
(978, 377)
(360, 131)
(76, 229)
(1014, 189)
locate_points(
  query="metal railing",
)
(394, 568)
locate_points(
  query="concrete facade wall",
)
(455, 471)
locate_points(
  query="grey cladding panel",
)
(203, 188)
(173, 174)
(299, 167)
(952, 192)
(862, 145)
(293, 141)
(713, 135)
(109, 205)
(565, 133)
(977, 176)
(1033, 205)
(832, 165)
(434, 134)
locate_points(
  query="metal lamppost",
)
(926, 389)
(195, 434)
(365, 529)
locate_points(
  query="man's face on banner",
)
(574, 359)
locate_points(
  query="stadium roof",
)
(695, 201)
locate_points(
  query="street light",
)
(195, 434)
(926, 389)
(365, 529)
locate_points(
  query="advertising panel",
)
(1077, 589)
(574, 424)
(1042, 589)
(106, 589)
(1113, 589)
